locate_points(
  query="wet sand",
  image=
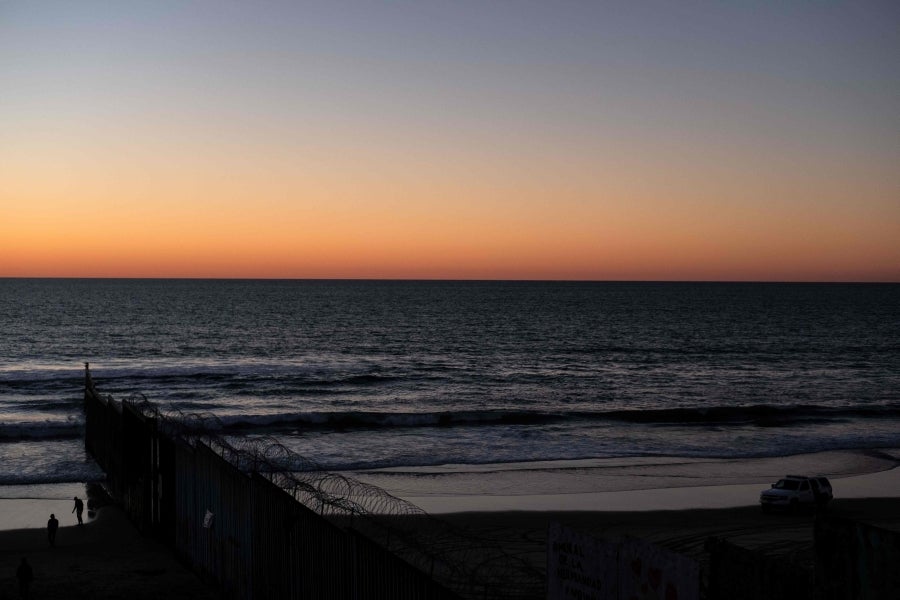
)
(632, 484)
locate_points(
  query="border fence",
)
(737, 573)
(259, 521)
(852, 560)
(856, 561)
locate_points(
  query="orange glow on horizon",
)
(191, 222)
(450, 141)
(206, 225)
(467, 245)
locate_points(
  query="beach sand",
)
(523, 534)
(632, 484)
(107, 558)
(678, 503)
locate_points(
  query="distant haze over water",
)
(361, 374)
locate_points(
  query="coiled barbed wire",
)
(470, 565)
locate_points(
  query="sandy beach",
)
(524, 533)
(634, 483)
(108, 558)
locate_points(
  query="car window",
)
(804, 486)
(787, 484)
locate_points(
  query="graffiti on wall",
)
(579, 566)
(582, 567)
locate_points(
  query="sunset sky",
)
(465, 140)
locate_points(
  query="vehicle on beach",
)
(796, 491)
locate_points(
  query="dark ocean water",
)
(358, 374)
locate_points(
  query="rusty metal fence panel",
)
(241, 531)
(225, 539)
(137, 467)
(187, 515)
(273, 570)
(165, 516)
(297, 553)
(321, 555)
(103, 434)
(380, 575)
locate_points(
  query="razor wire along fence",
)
(261, 521)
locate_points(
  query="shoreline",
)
(631, 484)
(880, 485)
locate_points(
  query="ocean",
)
(356, 375)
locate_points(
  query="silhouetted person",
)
(79, 508)
(52, 526)
(25, 576)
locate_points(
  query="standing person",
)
(79, 507)
(52, 526)
(25, 576)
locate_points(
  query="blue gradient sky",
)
(632, 140)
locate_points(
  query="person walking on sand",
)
(25, 576)
(79, 508)
(52, 526)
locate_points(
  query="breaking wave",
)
(759, 415)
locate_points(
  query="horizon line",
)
(456, 280)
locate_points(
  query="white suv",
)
(795, 491)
